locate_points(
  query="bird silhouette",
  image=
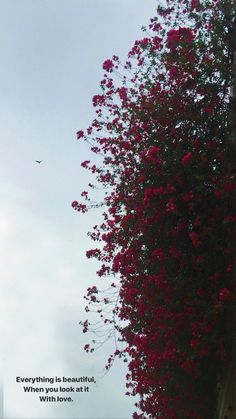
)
(38, 161)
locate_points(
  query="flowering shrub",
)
(164, 130)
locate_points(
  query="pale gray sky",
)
(51, 64)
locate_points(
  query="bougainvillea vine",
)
(163, 130)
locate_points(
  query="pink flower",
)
(87, 348)
(224, 295)
(172, 38)
(98, 100)
(175, 36)
(194, 239)
(171, 206)
(194, 342)
(108, 66)
(186, 158)
(159, 254)
(229, 187)
(194, 4)
(208, 109)
(153, 151)
(218, 194)
(173, 72)
(122, 91)
(79, 134)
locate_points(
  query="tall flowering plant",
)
(163, 128)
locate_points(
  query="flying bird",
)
(38, 161)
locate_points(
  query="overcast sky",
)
(51, 64)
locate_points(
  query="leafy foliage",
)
(163, 128)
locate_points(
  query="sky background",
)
(51, 65)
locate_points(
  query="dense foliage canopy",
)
(164, 128)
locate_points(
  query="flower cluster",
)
(167, 233)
